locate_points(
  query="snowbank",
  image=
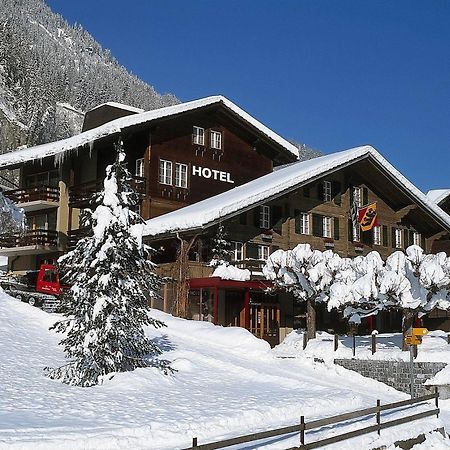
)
(227, 383)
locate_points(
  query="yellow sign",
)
(419, 331)
(367, 217)
(413, 340)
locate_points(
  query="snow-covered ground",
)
(227, 383)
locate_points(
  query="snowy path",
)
(228, 383)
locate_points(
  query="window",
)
(327, 191)
(417, 239)
(398, 238)
(263, 252)
(139, 167)
(264, 217)
(326, 227)
(236, 251)
(304, 223)
(216, 140)
(165, 171)
(356, 233)
(376, 235)
(198, 136)
(357, 199)
(181, 171)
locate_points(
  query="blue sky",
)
(332, 74)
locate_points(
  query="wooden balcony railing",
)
(73, 236)
(33, 237)
(31, 194)
(81, 194)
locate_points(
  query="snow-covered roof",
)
(272, 185)
(116, 126)
(438, 195)
(120, 106)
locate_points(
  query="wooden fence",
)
(314, 424)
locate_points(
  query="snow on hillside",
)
(227, 383)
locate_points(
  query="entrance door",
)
(265, 321)
(234, 309)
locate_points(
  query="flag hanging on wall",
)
(367, 216)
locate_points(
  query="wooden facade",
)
(181, 159)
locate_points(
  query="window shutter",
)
(411, 237)
(317, 223)
(251, 250)
(385, 235)
(365, 196)
(366, 237)
(336, 192)
(276, 217)
(350, 189)
(393, 237)
(320, 191)
(350, 230)
(424, 243)
(256, 217)
(336, 228)
(406, 243)
(297, 221)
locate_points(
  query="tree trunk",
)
(311, 318)
(182, 265)
(407, 323)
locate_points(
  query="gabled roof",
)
(87, 138)
(119, 106)
(230, 203)
(438, 195)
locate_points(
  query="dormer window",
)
(216, 140)
(198, 136)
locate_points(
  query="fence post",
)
(436, 399)
(354, 345)
(374, 343)
(379, 416)
(336, 342)
(194, 442)
(305, 340)
(302, 430)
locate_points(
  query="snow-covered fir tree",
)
(220, 247)
(111, 280)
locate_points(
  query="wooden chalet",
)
(205, 162)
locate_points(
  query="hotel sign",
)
(214, 174)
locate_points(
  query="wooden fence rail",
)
(302, 426)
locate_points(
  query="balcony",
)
(81, 194)
(73, 236)
(33, 242)
(35, 198)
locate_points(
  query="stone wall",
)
(394, 373)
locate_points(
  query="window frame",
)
(262, 249)
(305, 223)
(417, 238)
(140, 164)
(178, 178)
(327, 191)
(237, 247)
(376, 235)
(327, 226)
(164, 173)
(356, 233)
(215, 139)
(198, 138)
(357, 196)
(264, 217)
(398, 238)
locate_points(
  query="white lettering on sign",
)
(205, 172)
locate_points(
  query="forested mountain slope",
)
(51, 72)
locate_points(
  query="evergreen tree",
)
(220, 247)
(111, 278)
